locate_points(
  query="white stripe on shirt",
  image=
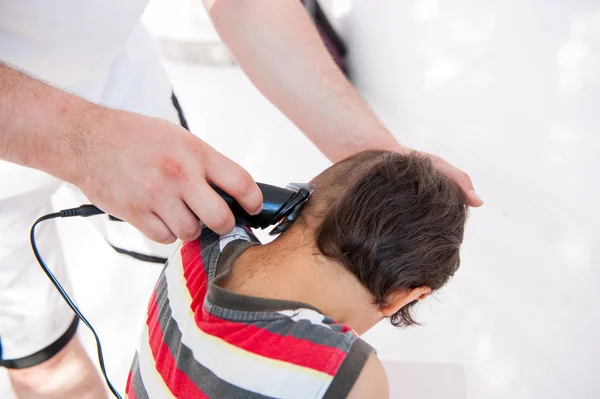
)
(152, 380)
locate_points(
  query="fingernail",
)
(258, 210)
(473, 194)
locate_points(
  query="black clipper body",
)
(281, 206)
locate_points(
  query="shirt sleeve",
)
(348, 373)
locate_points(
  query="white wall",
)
(509, 91)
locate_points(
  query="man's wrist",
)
(384, 141)
(80, 124)
(67, 142)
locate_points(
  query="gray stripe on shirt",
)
(202, 377)
(136, 379)
(304, 329)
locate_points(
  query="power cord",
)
(83, 211)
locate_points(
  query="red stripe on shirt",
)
(180, 385)
(345, 328)
(194, 273)
(129, 388)
(261, 341)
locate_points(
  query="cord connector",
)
(83, 211)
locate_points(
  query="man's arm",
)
(146, 171)
(36, 124)
(278, 47)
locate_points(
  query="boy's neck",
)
(278, 270)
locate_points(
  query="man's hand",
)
(459, 177)
(146, 171)
(153, 174)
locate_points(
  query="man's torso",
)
(66, 42)
(96, 49)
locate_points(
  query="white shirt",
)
(96, 49)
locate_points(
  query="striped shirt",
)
(203, 341)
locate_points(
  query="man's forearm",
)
(278, 47)
(39, 124)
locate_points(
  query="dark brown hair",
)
(392, 220)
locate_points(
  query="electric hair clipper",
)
(281, 206)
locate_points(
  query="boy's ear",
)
(398, 300)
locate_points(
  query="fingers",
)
(154, 228)
(235, 181)
(461, 178)
(212, 210)
(180, 220)
(465, 182)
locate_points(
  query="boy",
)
(231, 318)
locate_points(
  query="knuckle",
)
(244, 185)
(153, 190)
(166, 239)
(198, 148)
(169, 239)
(464, 177)
(161, 235)
(222, 221)
(190, 231)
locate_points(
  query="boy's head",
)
(391, 220)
